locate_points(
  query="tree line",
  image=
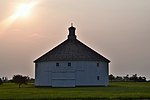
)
(18, 79)
(127, 78)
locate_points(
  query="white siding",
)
(87, 76)
(42, 75)
(63, 83)
(80, 73)
(63, 79)
(61, 75)
(104, 74)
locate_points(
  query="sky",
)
(117, 29)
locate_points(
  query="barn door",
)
(65, 79)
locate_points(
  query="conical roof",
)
(71, 50)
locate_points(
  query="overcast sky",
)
(117, 29)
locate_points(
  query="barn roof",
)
(71, 50)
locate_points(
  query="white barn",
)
(71, 64)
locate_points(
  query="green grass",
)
(116, 90)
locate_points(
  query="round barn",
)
(71, 64)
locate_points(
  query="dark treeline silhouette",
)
(19, 79)
(127, 78)
(3, 80)
(6, 80)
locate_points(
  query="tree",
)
(4, 79)
(118, 78)
(1, 82)
(134, 78)
(126, 78)
(111, 77)
(19, 79)
(141, 79)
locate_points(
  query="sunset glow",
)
(24, 9)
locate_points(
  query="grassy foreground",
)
(116, 90)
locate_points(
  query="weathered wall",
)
(80, 73)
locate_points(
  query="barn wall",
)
(42, 75)
(104, 73)
(88, 71)
(80, 73)
(48, 74)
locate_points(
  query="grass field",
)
(116, 90)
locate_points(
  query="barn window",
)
(97, 64)
(57, 64)
(97, 77)
(69, 64)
